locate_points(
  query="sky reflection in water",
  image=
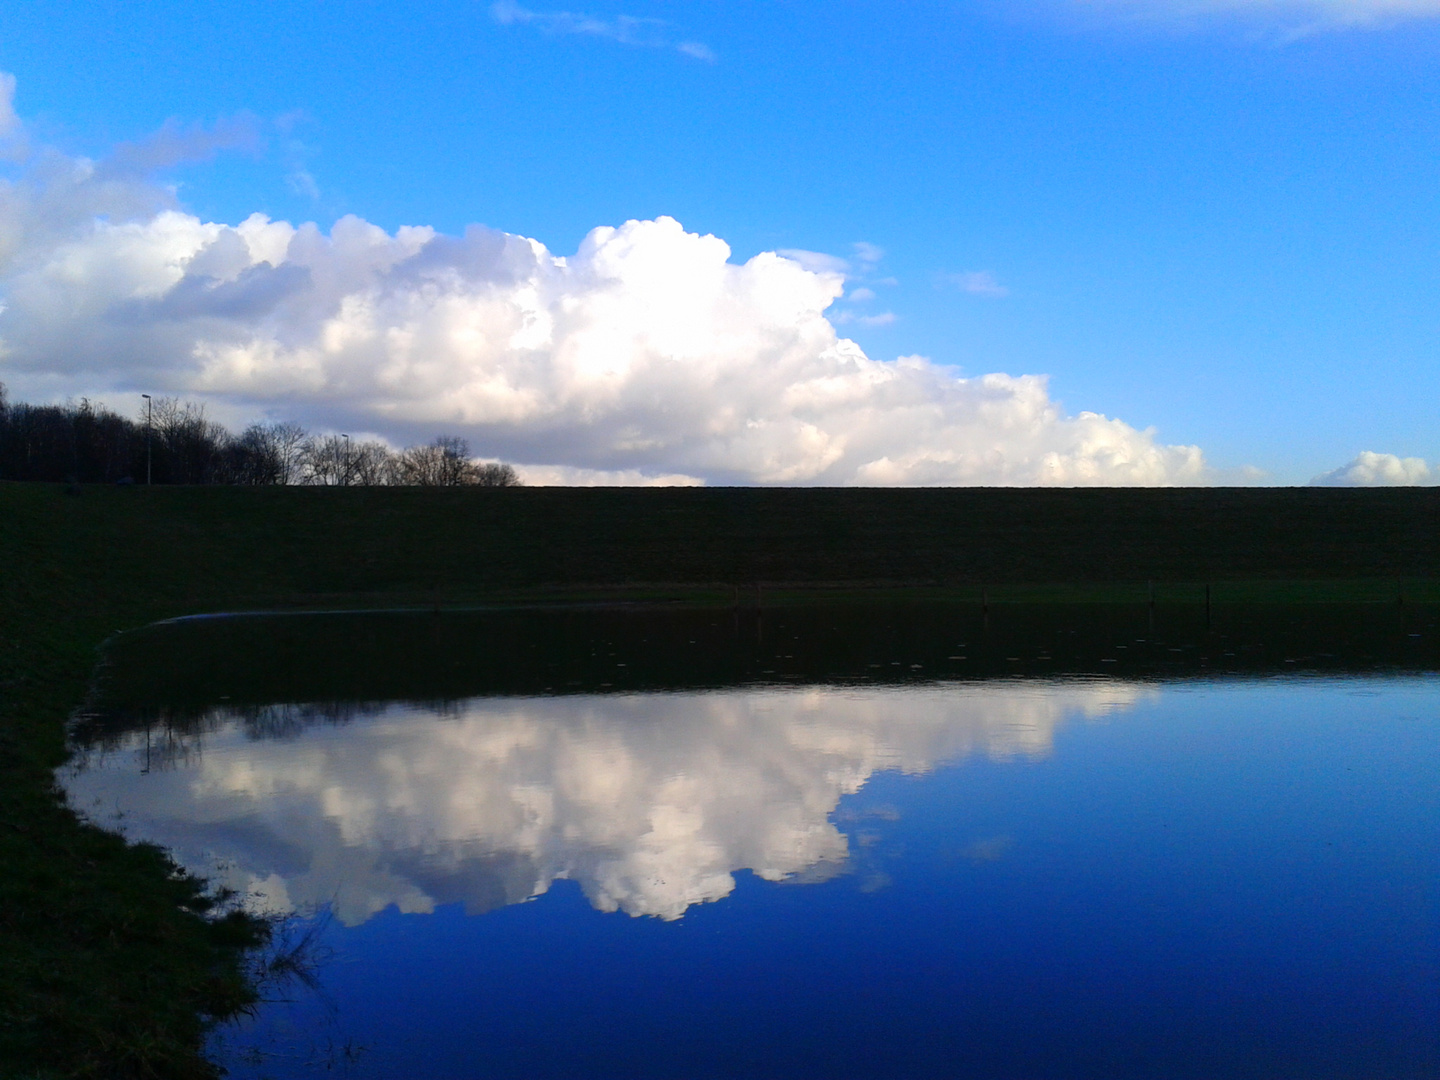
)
(992, 879)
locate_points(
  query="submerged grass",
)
(114, 964)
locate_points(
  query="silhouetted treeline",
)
(174, 443)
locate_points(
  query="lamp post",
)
(345, 474)
(149, 405)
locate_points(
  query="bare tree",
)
(453, 461)
(441, 464)
(326, 461)
(372, 464)
(495, 474)
(249, 459)
(446, 463)
(190, 446)
(335, 461)
(286, 440)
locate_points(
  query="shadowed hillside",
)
(215, 543)
(107, 967)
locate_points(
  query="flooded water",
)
(874, 842)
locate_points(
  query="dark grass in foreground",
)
(107, 967)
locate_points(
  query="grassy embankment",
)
(106, 969)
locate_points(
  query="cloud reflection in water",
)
(649, 801)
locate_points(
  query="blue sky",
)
(1216, 220)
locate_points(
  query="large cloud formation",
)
(650, 802)
(647, 352)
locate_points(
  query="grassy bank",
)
(107, 967)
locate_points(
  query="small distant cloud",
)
(867, 253)
(1244, 476)
(817, 262)
(843, 318)
(302, 183)
(626, 29)
(1238, 476)
(295, 152)
(860, 295)
(176, 144)
(287, 122)
(699, 50)
(1378, 470)
(13, 144)
(1290, 18)
(976, 283)
(865, 257)
(8, 120)
(988, 850)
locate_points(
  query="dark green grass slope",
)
(216, 542)
(106, 969)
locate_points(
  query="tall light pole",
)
(345, 475)
(149, 405)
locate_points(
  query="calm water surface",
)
(1137, 875)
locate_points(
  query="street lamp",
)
(149, 405)
(345, 475)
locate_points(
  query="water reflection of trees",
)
(168, 737)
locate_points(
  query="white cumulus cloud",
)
(648, 351)
(1370, 469)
